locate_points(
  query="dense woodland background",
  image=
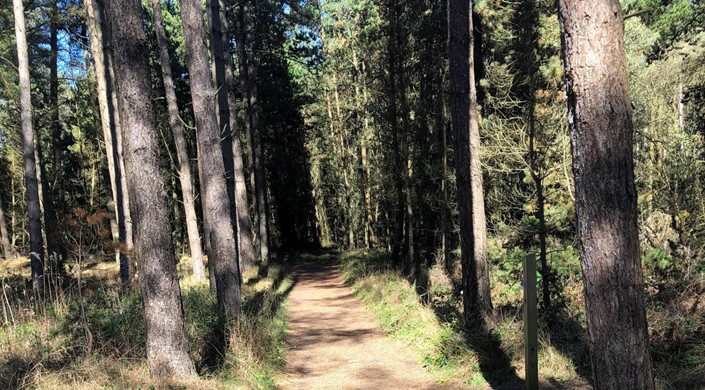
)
(334, 121)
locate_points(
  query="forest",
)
(300, 194)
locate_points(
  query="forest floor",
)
(333, 342)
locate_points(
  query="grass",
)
(93, 337)
(434, 332)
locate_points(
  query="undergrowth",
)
(94, 337)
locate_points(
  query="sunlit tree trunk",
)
(167, 345)
(185, 177)
(214, 194)
(110, 124)
(601, 132)
(28, 151)
(477, 303)
(228, 122)
(215, 34)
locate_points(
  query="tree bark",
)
(185, 176)
(477, 303)
(110, 123)
(242, 208)
(216, 204)
(167, 346)
(248, 74)
(222, 108)
(5, 236)
(245, 87)
(601, 132)
(28, 151)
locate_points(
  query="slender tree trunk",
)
(110, 124)
(13, 208)
(185, 176)
(242, 56)
(167, 346)
(447, 263)
(5, 236)
(537, 178)
(601, 132)
(216, 205)
(244, 225)
(260, 180)
(28, 151)
(54, 248)
(124, 209)
(477, 303)
(399, 171)
(223, 109)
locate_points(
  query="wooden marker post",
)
(531, 361)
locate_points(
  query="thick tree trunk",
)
(242, 208)
(167, 346)
(214, 194)
(477, 303)
(28, 151)
(5, 236)
(601, 132)
(185, 177)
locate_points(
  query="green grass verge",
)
(447, 352)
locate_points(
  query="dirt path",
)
(334, 343)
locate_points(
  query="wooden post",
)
(530, 324)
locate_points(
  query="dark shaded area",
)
(495, 363)
(568, 335)
(284, 135)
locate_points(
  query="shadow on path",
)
(333, 342)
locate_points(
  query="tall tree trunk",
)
(185, 176)
(241, 49)
(399, 170)
(110, 124)
(54, 249)
(601, 132)
(167, 346)
(222, 107)
(260, 180)
(216, 205)
(537, 178)
(28, 151)
(242, 208)
(5, 236)
(477, 303)
(248, 74)
(124, 209)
